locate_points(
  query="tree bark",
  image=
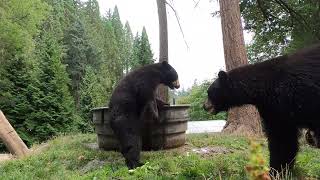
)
(11, 139)
(243, 120)
(162, 91)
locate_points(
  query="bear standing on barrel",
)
(134, 95)
(286, 92)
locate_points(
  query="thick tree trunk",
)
(163, 35)
(243, 120)
(11, 139)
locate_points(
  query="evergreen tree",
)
(15, 96)
(53, 49)
(92, 95)
(145, 49)
(53, 106)
(54, 110)
(19, 20)
(142, 54)
(113, 54)
(135, 52)
(120, 37)
(128, 46)
(79, 55)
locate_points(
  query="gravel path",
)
(205, 126)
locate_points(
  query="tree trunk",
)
(243, 120)
(11, 139)
(162, 91)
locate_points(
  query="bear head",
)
(169, 75)
(217, 100)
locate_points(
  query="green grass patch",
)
(68, 157)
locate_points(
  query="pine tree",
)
(113, 58)
(15, 96)
(92, 95)
(142, 53)
(128, 46)
(54, 109)
(18, 25)
(145, 48)
(119, 36)
(134, 63)
(79, 55)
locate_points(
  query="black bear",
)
(286, 92)
(134, 95)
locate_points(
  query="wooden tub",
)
(170, 133)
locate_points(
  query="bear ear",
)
(164, 62)
(223, 76)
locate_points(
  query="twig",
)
(293, 13)
(196, 3)
(178, 20)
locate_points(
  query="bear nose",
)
(204, 106)
(176, 84)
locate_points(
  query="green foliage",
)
(280, 26)
(128, 46)
(92, 95)
(69, 157)
(18, 25)
(79, 55)
(15, 96)
(59, 59)
(257, 167)
(54, 109)
(117, 32)
(196, 97)
(142, 54)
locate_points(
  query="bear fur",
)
(134, 96)
(286, 92)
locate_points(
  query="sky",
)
(202, 57)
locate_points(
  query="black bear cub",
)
(134, 95)
(286, 92)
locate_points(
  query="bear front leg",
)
(153, 107)
(150, 112)
(160, 103)
(283, 147)
(128, 134)
(154, 110)
(160, 106)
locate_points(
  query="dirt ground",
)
(5, 157)
(33, 150)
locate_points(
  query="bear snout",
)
(176, 84)
(207, 105)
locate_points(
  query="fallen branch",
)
(11, 139)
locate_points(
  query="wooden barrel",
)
(169, 133)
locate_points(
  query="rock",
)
(211, 150)
(94, 164)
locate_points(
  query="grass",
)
(68, 157)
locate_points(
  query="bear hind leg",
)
(128, 134)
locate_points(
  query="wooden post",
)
(11, 139)
(163, 37)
